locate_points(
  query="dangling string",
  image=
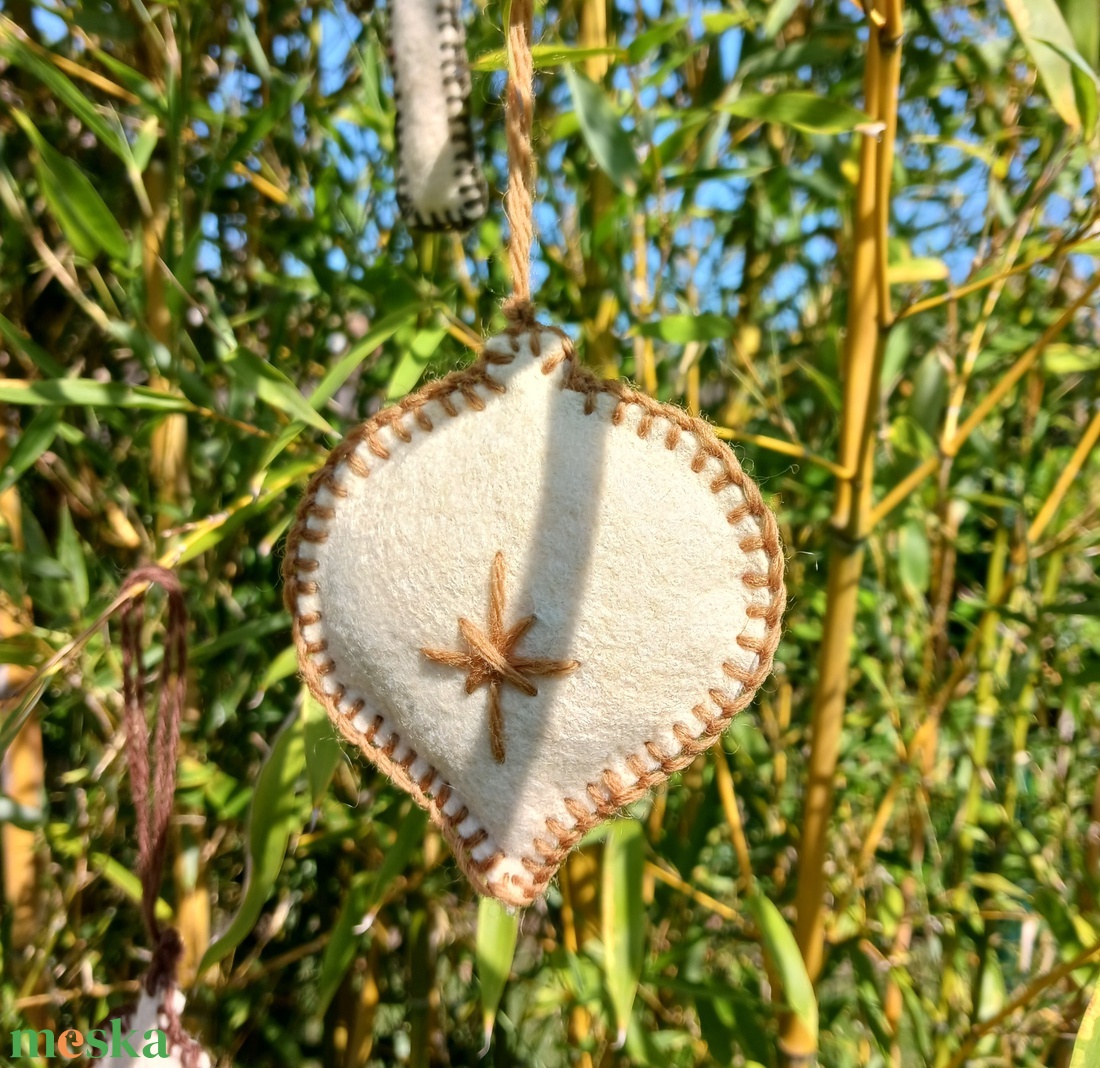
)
(152, 814)
(519, 200)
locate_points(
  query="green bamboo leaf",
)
(340, 371)
(716, 23)
(1086, 86)
(70, 555)
(646, 43)
(783, 952)
(497, 928)
(1040, 24)
(140, 86)
(603, 133)
(276, 813)
(86, 391)
(274, 388)
(779, 14)
(623, 916)
(362, 902)
(282, 666)
(256, 52)
(17, 51)
(21, 649)
(803, 111)
(31, 350)
(1080, 16)
(36, 438)
(122, 878)
(323, 749)
(86, 221)
(1086, 1050)
(914, 558)
(284, 96)
(1062, 358)
(680, 329)
(145, 143)
(547, 56)
(412, 363)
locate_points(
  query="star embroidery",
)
(492, 658)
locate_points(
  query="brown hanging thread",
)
(519, 200)
(152, 814)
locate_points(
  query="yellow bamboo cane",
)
(868, 321)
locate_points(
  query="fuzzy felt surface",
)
(439, 182)
(665, 589)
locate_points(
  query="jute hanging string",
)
(519, 200)
(153, 795)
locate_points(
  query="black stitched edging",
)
(467, 178)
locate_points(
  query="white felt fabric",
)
(439, 184)
(147, 1016)
(621, 551)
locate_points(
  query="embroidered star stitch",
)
(492, 660)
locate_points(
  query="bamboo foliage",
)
(868, 257)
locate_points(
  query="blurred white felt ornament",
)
(439, 182)
(145, 1036)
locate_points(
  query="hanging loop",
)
(519, 200)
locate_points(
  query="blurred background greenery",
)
(869, 258)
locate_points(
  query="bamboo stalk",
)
(168, 451)
(892, 1001)
(984, 407)
(1065, 479)
(733, 818)
(580, 1022)
(924, 741)
(990, 681)
(645, 367)
(868, 320)
(361, 1037)
(22, 770)
(976, 287)
(696, 895)
(786, 448)
(422, 976)
(1024, 998)
(986, 694)
(601, 306)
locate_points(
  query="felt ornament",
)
(145, 1036)
(439, 181)
(160, 1002)
(528, 594)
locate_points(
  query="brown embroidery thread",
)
(491, 659)
(651, 764)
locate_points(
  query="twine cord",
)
(154, 795)
(519, 199)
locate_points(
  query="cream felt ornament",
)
(527, 594)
